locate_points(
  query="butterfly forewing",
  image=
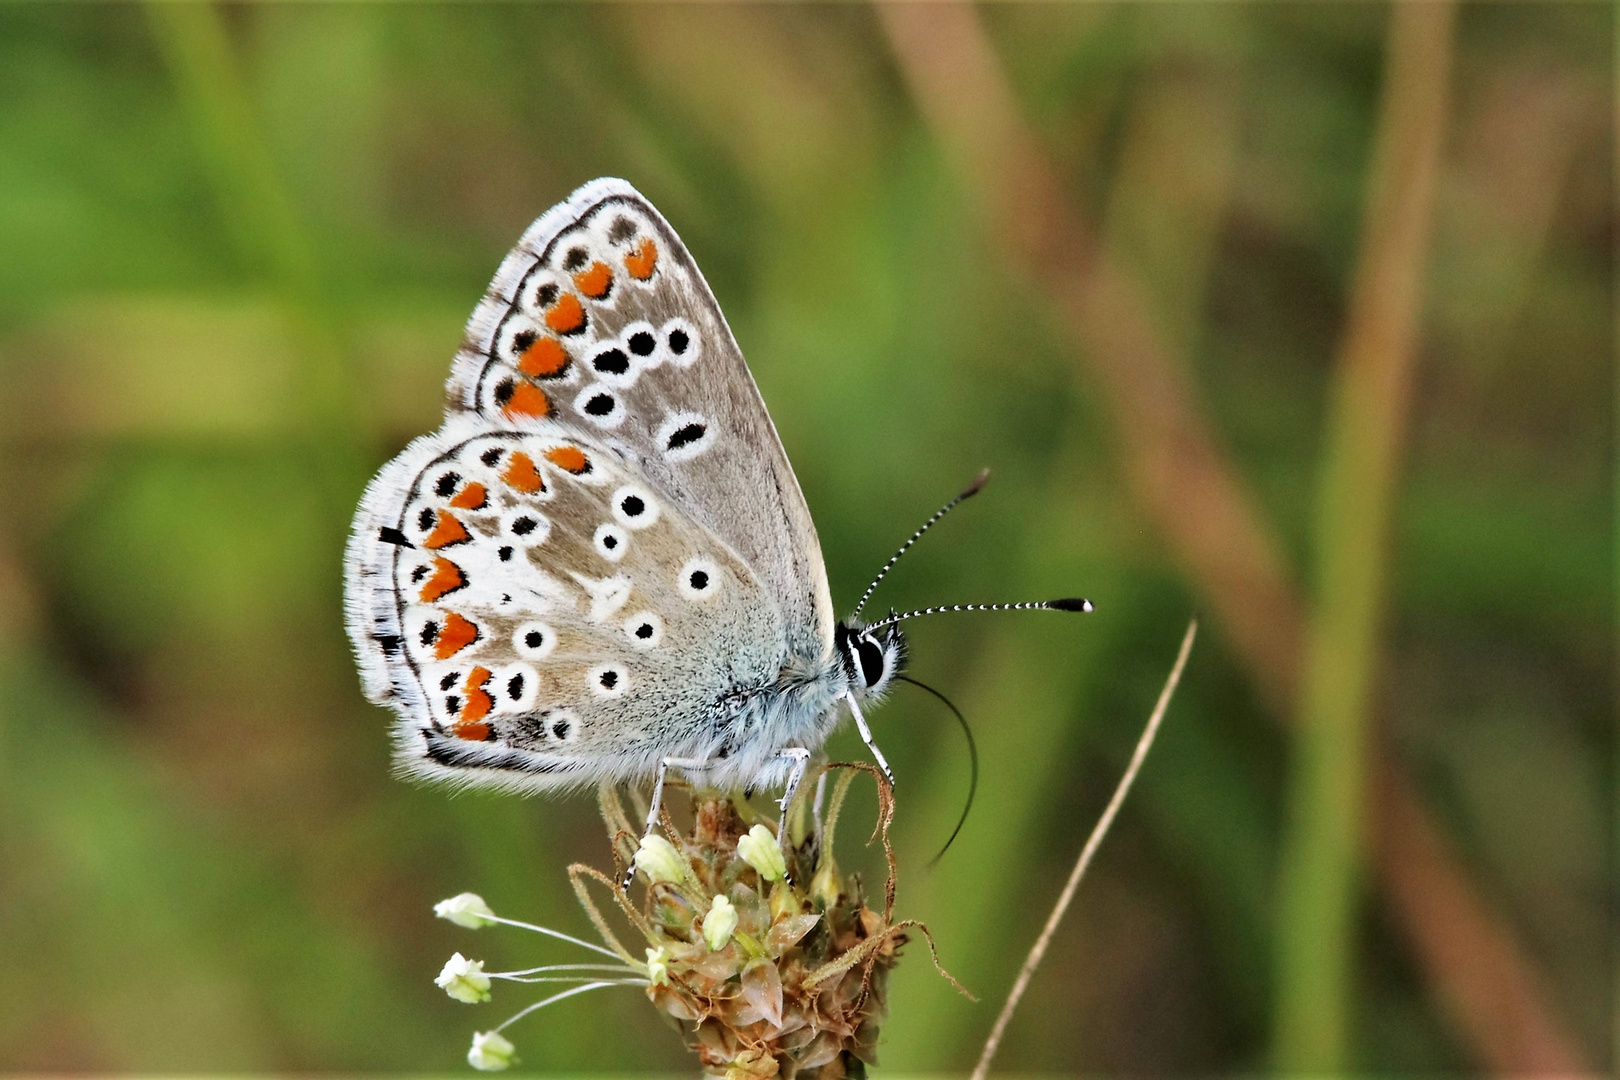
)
(603, 558)
(600, 321)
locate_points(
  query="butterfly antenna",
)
(967, 493)
(1070, 603)
(973, 761)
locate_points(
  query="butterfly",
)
(601, 567)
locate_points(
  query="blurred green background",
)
(237, 247)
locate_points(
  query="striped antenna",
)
(967, 493)
(1064, 604)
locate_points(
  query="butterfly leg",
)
(821, 798)
(690, 765)
(800, 759)
(866, 737)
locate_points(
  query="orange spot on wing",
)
(642, 261)
(545, 359)
(595, 281)
(457, 634)
(445, 532)
(447, 578)
(528, 400)
(570, 458)
(521, 473)
(478, 705)
(567, 315)
(470, 497)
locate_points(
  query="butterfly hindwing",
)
(541, 615)
(599, 321)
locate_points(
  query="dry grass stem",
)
(1033, 961)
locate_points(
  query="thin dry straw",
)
(1143, 744)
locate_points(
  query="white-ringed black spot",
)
(505, 553)
(445, 486)
(523, 526)
(633, 506)
(418, 574)
(449, 680)
(678, 341)
(534, 640)
(514, 687)
(546, 295)
(685, 435)
(608, 680)
(491, 456)
(575, 258)
(642, 343)
(699, 579)
(522, 340)
(612, 361)
(430, 633)
(621, 230)
(603, 408)
(611, 542)
(424, 520)
(560, 729)
(644, 629)
(504, 391)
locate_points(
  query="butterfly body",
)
(602, 562)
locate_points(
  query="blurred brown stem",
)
(1180, 475)
(1319, 883)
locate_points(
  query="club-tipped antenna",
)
(1068, 603)
(967, 493)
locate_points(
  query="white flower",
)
(719, 923)
(464, 979)
(658, 859)
(467, 910)
(491, 1052)
(760, 850)
(658, 966)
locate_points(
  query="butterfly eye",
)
(872, 662)
(634, 506)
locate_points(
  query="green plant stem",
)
(1321, 872)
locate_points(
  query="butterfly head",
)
(872, 656)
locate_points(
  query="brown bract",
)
(798, 990)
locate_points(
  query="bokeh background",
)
(1298, 316)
